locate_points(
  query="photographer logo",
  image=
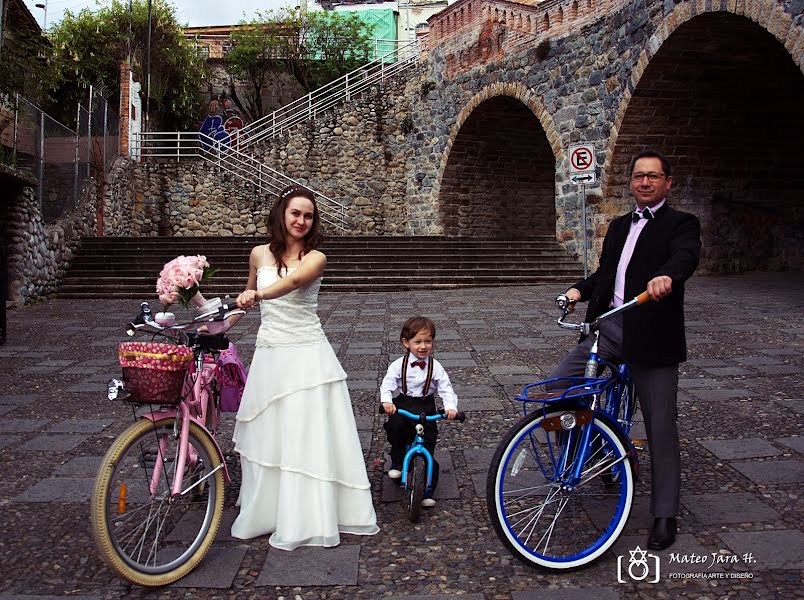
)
(641, 567)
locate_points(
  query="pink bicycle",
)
(157, 501)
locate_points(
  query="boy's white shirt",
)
(439, 384)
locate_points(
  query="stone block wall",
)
(188, 198)
(38, 253)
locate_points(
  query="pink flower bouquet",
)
(180, 279)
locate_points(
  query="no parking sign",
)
(582, 159)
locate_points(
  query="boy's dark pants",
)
(402, 431)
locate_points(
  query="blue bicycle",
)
(561, 483)
(417, 466)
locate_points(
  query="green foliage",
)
(92, 45)
(315, 47)
(26, 67)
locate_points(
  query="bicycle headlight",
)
(568, 420)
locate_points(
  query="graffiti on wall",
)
(223, 124)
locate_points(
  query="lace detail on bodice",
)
(292, 319)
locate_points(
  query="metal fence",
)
(60, 157)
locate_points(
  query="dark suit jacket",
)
(670, 244)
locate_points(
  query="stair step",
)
(128, 267)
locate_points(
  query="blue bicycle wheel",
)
(538, 513)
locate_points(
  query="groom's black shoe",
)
(663, 534)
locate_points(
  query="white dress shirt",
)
(627, 253)
(439, 384)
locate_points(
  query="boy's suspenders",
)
(405, 375)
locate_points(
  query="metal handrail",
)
(182, 144)
(343, 88)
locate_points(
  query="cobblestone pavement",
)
(740, 414)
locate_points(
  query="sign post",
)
(582, 173)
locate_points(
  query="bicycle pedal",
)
(639, 444)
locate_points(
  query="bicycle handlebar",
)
(566, 305)
(145, 321)
(440, 414)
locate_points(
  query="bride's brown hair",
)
(277, 243)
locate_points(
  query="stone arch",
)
(747, 206)
(480, 154)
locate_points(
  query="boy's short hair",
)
(416, 324)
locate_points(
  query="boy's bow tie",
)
(419, 363)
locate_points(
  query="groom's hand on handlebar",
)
(389, 407)
(451, 413)
(659, 287)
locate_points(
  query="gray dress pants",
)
(657, 390)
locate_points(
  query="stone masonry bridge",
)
(475, 142)
(716, 85)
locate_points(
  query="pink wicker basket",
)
(154, 372)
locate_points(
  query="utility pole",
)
(148, 70)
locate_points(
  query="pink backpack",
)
(232, 379)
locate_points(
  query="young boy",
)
(418, 375)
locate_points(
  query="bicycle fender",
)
(170, 413)
(623, 438)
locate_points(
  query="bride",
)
(304, 478)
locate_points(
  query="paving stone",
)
(365, 438)
(697, 382)
(728, 371)
(758, 360)
(18, 399)
(50, 362)
(464, 390)
(355, 374)
(80, 370)
(781, 370)
(362, 384)
(598, 593)
(96, 387)
(39, 370)
(479, 483)
(780, 351)
(438, 597)
(734, 507)
(510, 369)
(58, 489)
(478, 459)
(364, 421)
(452, 363)
(351, 351)
(22, 425)
(744, 448)
(54, 442)
(6, 408)
(447, 488)
(308, 566)
(478, 404)
(771, 472)
(492, 348)
(80, 426)
(364, 344)
(778, 549)
(441, 356)
(218, 569)
(81, 465)
(186, 529)
(29, 597)
(7, 440)
(796, 443)
(722, 394)
(796, 405)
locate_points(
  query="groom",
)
(654, 248)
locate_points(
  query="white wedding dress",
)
(304, 477)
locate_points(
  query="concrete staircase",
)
(128, 267)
